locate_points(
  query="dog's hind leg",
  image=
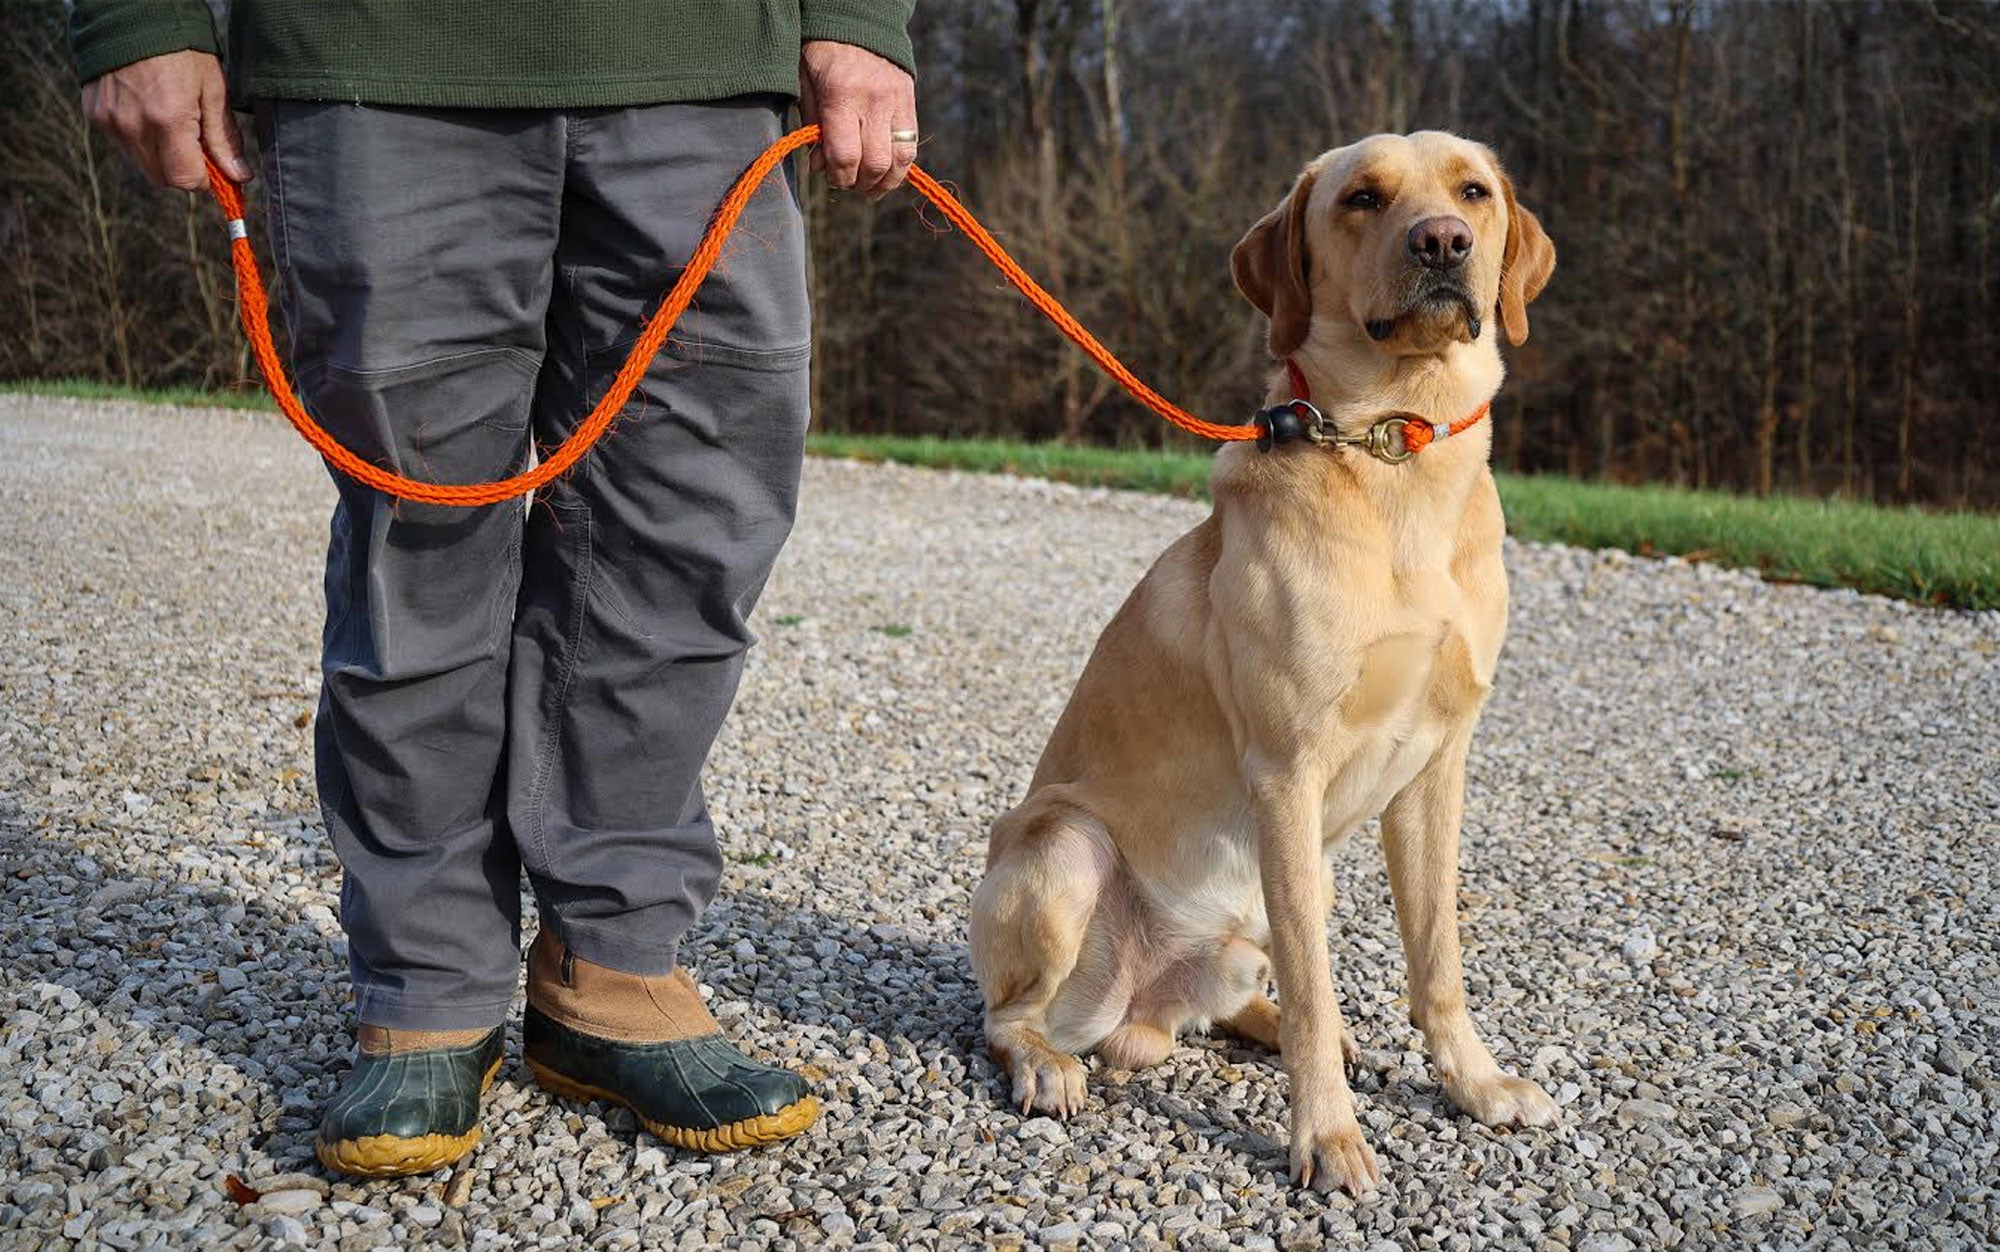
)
(1257, 1022)
(1136, 1045)
(1047, 864)
(1238, 976)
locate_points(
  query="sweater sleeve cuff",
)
(881, 26)
(108, 34)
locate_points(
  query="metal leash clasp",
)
(1301, 419)
(1384, 441)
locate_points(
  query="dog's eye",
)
(1364, 199)
(1475, 191)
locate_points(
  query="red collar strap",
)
(1394, 439)
(1301, 389)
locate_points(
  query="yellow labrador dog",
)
(1313, 654)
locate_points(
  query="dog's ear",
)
(1273, 271)
(1525, 264)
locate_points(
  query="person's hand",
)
(165, 112)
(858, 99)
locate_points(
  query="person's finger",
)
(113, 128)
(147, 157)
(104, 107)
(177, 142)
(97, 105)
(135, 138)
(141, 154)
(841, 142)
(165, 122)
(219, 136)
(809, 114)
(903, 153)
(877, 155)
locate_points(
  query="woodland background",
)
(1776, 221)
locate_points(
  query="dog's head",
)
(1410, 240)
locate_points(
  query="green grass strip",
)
(1947, 559)
(1161, 473)
(249, 398)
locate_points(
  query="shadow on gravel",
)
(193, 967)
(821, 969)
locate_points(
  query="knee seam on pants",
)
(572, 642)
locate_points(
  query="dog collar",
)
(1392, 439)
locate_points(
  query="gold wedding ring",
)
(902, 136)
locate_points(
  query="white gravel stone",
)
(287, 1231)
(1755, 1201)
(1046, 1129)
(1640, 945)
(1795, 794)
(424, 1214)
(1784, 1116)
(292, 1201)
(836, 1226)
(1640, 1112)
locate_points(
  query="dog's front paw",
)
(1335, 1157)
(1048, 1081)
(1500, 1099)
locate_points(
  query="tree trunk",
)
(1687, 398)
(1767, 400)
(1806, 301)
(1848, 299)
(1038, 80)
(1907, 400)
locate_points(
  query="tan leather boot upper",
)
(382, 1041)
(611, 1004)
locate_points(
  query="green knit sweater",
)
(494, 53)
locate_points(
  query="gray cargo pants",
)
(504, 689)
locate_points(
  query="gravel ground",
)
(1729, 894)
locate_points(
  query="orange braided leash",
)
(255, 311)
(254, 308)
(958, 215)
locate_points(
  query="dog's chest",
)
(1411, 691)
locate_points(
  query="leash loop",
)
(253, 306)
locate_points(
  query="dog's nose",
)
(1441, 243)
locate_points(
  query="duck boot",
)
(647, 1042)
(410, 1105)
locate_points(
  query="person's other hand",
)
(858, 98)
(165, 111)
